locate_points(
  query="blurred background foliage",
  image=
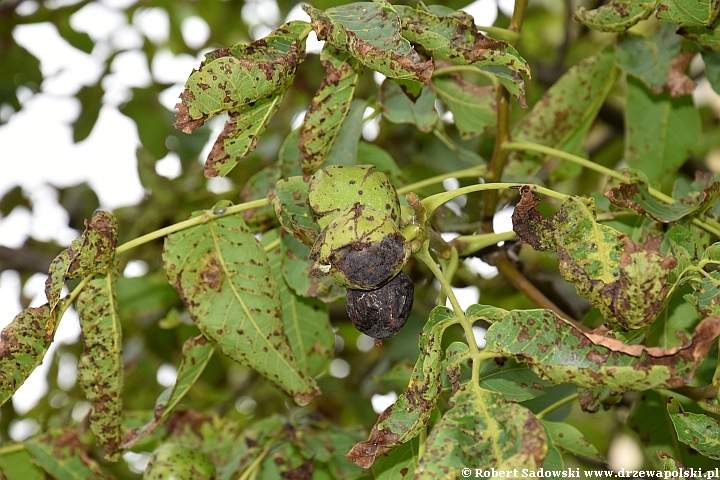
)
(154, 322)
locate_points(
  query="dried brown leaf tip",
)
(526, 219)
(364, 453)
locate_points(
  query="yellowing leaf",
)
(700, 432)
(222, 274)
(483, 430)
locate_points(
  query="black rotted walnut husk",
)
(382, 312)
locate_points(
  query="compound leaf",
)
(196, 354)
(23, 344)
(483, 430)
(616, 15)
(222, 274)
(370, 32)
(593, 360)
(100, 368)
(328, 108)
(700, 432)
(403, 420)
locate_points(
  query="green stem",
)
(556, 405)
(422, 438)
(472, 172)
(534, 147)
(434, 201)
(254, 465)
(208, 216)
(13, 448)
(424, 256)
(500, 33)
(272, 245)
(464, 68)
(469, 244)
(518, 15)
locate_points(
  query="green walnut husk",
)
(361, 248)
(175, 462)
(335, 188)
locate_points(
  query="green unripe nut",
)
(335, 188)
(361, 248)
(174, 462)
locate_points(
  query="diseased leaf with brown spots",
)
(559, 351)
(100, 368)
(61, 454)
(196, 354)
(222, 275)
(563, 117)
(370, 32)
(93, 252)
(625, 280)
(23, 344)
(456, 38)
(698, 13)
(636, 196)
(306, 320)
(616, 15)
(569, 439)
(328, 108)
(249, 82)
(403, 420)
(290, 199)
(700, 432)
(483, 430)
(296, 265)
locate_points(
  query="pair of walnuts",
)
(361, 246)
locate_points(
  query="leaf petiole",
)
(563, 401)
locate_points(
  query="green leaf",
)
(650, 419)
(679, 242)
(290, 200)
(398, 464)
(17, 465)
(708, 38)
(482, 430)
(90, 98)
(222, 274)
(700, 432)
(712, 68)
(649, 58)
(697, 13)
(100, 368)
(706, 294)
(564, 115)
(474, 108)
(592, 360)
(370, 32)
(306, 321)
(455, 38)
(403, 420)
(674, 324)
(196, 354)
(91, 253)
(296, 265)
(247, 81)
(256, 188)
(399, 107)
(569, 439)
(344, 149)
(616, 15)
(61, 454)
(636, 196)
(513, 380)
(372, 154)
(328, 108)
(23, 344)
(661, 131)
(625, 280)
